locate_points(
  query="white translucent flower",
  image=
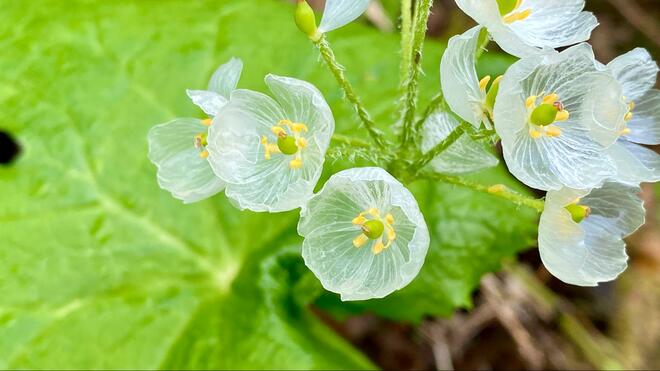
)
(522, 27)
(271, 151)
(222, 83)
(339, 13)
(637, 72)
(466, 94)
(178, 147)
(556, 114)
(463, 156)
(365, 236)
(581, 232)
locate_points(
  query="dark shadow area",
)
(9, 148)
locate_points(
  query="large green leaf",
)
(99, 268)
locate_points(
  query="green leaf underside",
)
(101, 269)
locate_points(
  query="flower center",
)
(289, 141)
(578, 212)
(629, 116)
(509, 11)
(373, 226)
(544, 114)
(200, 140)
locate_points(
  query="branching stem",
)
(439, 148)
(338, 72)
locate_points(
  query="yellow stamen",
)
(298, 127)
(517, 16)
(562, 115)
(302, 143)
(374, 212)
(625, 131)
(378, 247)
(535, 134)
(552, 131)
(207, 122)
(531, 101)
(389, 218)
(631, 106)
(360, 240)
(550, 99)
(296, 163)
(284, 122)
(278, 130)
(484, 82)
(359, 220)
(628, 116)
(204, 154)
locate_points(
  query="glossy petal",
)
(339, 13)
(222, 83)
(458, 76)
(645, 124)
(635, 164)
(592, 251)
(464, 156)
(636, 71)
(181, 170)
(326, 225)
(238, 157)
(551, 24)
(577, 157)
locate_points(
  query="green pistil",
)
(373, 229)
(578, 212)
(506, 6)
(287, 144)
(544, 115)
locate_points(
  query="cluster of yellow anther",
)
(199, 140)
(373, 226)
(541, 117)
(628, 116)
(516, 15)
(289, 142)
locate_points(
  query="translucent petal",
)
(464, 156)
(225, 78)
(339, 13)
(636, 71)
(576, 158)
(304, 103)
(645, 124)
(238, 156)
(326, 225)
(554, 23)
(593, 251)
(181, 170)
(210, 102)
(635, 164)
(458, 76)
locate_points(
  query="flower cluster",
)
(568, 125)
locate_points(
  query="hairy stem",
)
(439, 148)
(497, 190)
(340, 138)
(338, 72)
(422, 12)
(406, 39)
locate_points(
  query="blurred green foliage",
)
(99, 268)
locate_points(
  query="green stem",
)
(439, 148)
(338, 72)
(340, 138)
(406, 39)
(412, 84)
(497, 190)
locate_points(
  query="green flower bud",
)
(373, 229)
(578, 212)
(506, 6)
(306, 20)
(492, 94)
(287, 144)
(544, 115)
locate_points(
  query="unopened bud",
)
(306, 20)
